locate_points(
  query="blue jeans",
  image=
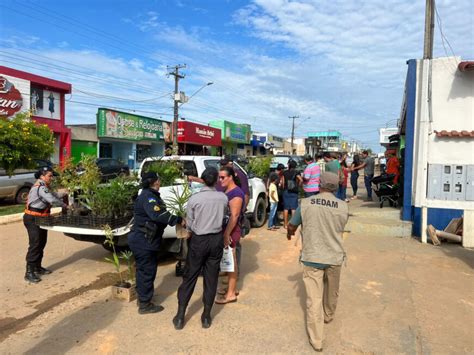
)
(273, 211)
(341, 192)
(368, 185)
(354, 177)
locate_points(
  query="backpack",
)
(292, 185)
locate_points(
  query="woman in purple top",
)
(236, 197)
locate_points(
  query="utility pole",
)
(429, 29)
(177, 76)
(293, 131)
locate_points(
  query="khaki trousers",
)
(322, 290)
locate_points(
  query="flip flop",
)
(223, 291)
(225, 301)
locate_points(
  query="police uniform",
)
(150, 221)
(323, 219)
(40, 200)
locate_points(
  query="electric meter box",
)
(451, 182)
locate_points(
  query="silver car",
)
(17, 186)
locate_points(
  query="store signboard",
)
(233, 132)
(121, 125)
(385, 133)
(11, 100)
(194, 133)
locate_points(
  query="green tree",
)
(22, 141)
(260, 166)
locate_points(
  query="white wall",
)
(452, 109)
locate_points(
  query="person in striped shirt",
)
(311, 177)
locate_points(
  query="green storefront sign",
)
(233, 132)
(121, 125)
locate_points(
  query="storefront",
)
(43, 99)
(198, 139)
(84, 141)
(131, 138)
(265, 143)
(235, 137)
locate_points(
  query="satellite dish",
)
(268, 145)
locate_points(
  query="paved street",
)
(396, 296)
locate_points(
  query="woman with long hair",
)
(354, 175)
(232, 232)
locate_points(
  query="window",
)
(212, 164)
(189, 168)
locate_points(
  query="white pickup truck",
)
(192, 166)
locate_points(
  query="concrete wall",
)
(81, 133)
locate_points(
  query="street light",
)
(202, 87)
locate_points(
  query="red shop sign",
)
(10, 98)
(194, 133)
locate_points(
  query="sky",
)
(337, 64)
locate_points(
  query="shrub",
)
(22, 141)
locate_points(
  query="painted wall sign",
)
(11, 101)
(121, 125)
(194, 133)
(233, 132)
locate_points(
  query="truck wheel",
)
(22, 195)
(260, 213)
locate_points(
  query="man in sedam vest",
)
(322, 219)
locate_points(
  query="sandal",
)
(225, 301)
(223, 291)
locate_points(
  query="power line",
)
(98, 79)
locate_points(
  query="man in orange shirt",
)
(393, 165)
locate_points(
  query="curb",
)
(17, 217)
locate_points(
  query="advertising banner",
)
(120, 125)
(239, 133)
(194, 133)
(11, 99)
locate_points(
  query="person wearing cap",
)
(150, 220)
(39, 203)
(311, 176)
(205, 213)
(322, 219)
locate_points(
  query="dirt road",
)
(397, 296)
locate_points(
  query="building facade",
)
(198, 139)
(437, 140)
(43, 99)
(131, 138)
(235, 137)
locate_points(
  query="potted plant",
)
(176, 204)
(124, 289)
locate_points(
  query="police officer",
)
(150, 221)
(40, 200)
(323, 218)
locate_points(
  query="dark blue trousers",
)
(368, 185)
(147, 265)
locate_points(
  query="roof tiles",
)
(455, 134)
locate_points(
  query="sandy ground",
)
(396, 296)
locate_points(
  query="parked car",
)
(110, 168)
(283, 159)
(17, 186)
